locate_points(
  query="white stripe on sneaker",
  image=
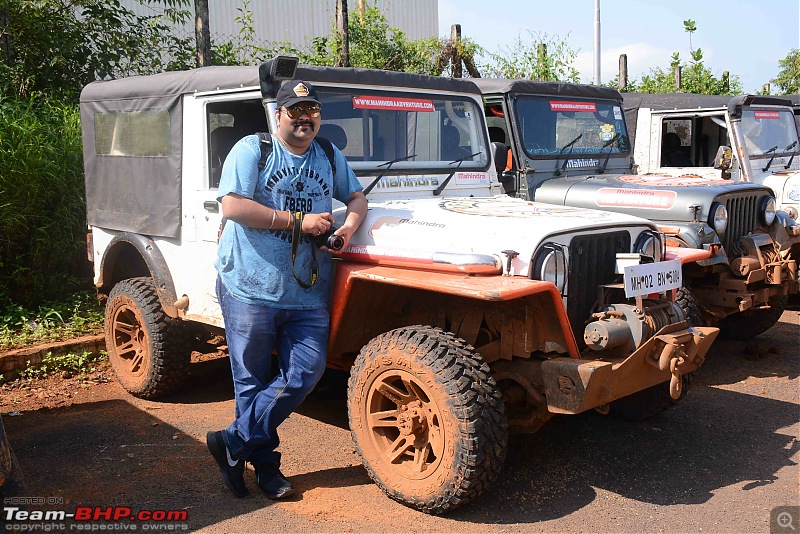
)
(231, 461)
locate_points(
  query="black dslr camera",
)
(333, 242)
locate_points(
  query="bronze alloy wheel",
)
(145, 346)
(405, 424)
(427, 418)
(130, 349)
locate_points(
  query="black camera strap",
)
(296, 238)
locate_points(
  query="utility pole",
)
(202, 33)
(344, 33)
(597, 42)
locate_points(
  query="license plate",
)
(650, 278)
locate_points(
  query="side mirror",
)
(724, 158)
(500, 156)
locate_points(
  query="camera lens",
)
(335, 242)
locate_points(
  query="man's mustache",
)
(304, 123)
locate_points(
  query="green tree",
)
(55, 47)
(788, 79)
(543, 57)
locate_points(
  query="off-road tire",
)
(147, 349)
(746, 325)
(441, 437)
(687, 302)
(650, 402)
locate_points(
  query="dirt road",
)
(718, 462)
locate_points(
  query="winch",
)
(628, 326)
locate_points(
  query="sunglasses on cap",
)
(296, 111)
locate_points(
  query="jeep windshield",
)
(548, 125)
(416, 133)
(769, 132)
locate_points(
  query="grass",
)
(42, 201)
(77, 315)
(70, 364)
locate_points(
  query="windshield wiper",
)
(381, 175)
(569, 146)
(601, 169)
(787, 149)
(441, 187)
(773, 149)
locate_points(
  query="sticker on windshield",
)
(767, 114)
(556, 105)
(607, 132)
(635, 198)
(397, 104)
(617, 113)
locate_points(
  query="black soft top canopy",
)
(172, 83)
(500, 85)
(689, 101)
(669, 101)
(227, 78)
(383, 78)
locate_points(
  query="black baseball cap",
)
(294, 91)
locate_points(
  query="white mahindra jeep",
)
(743, 138)
(461, 312)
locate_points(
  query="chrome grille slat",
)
(592, 260)
(742, 218)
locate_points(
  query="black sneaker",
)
(232, 470)
(272, 482)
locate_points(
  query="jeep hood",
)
(414, 230)
(653, 196)
(786, 184)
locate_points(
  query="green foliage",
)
(76, 315)
(42, 206)
(373, 44)
(55, 47)
(71, 364)
(788, 79)
(376, 45)
(695, 78)
(245, 49)
(544, 57)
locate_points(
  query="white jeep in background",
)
(459, 311)
(743, 138)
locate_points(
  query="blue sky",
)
(745, 37)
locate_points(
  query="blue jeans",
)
(263, 402)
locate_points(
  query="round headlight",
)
(550, 266)
(768, 210)
(648, 244)
(718, 218)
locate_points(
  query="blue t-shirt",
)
(256, 265)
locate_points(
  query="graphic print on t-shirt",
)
(296, 189)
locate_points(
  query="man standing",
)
(264, 304)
